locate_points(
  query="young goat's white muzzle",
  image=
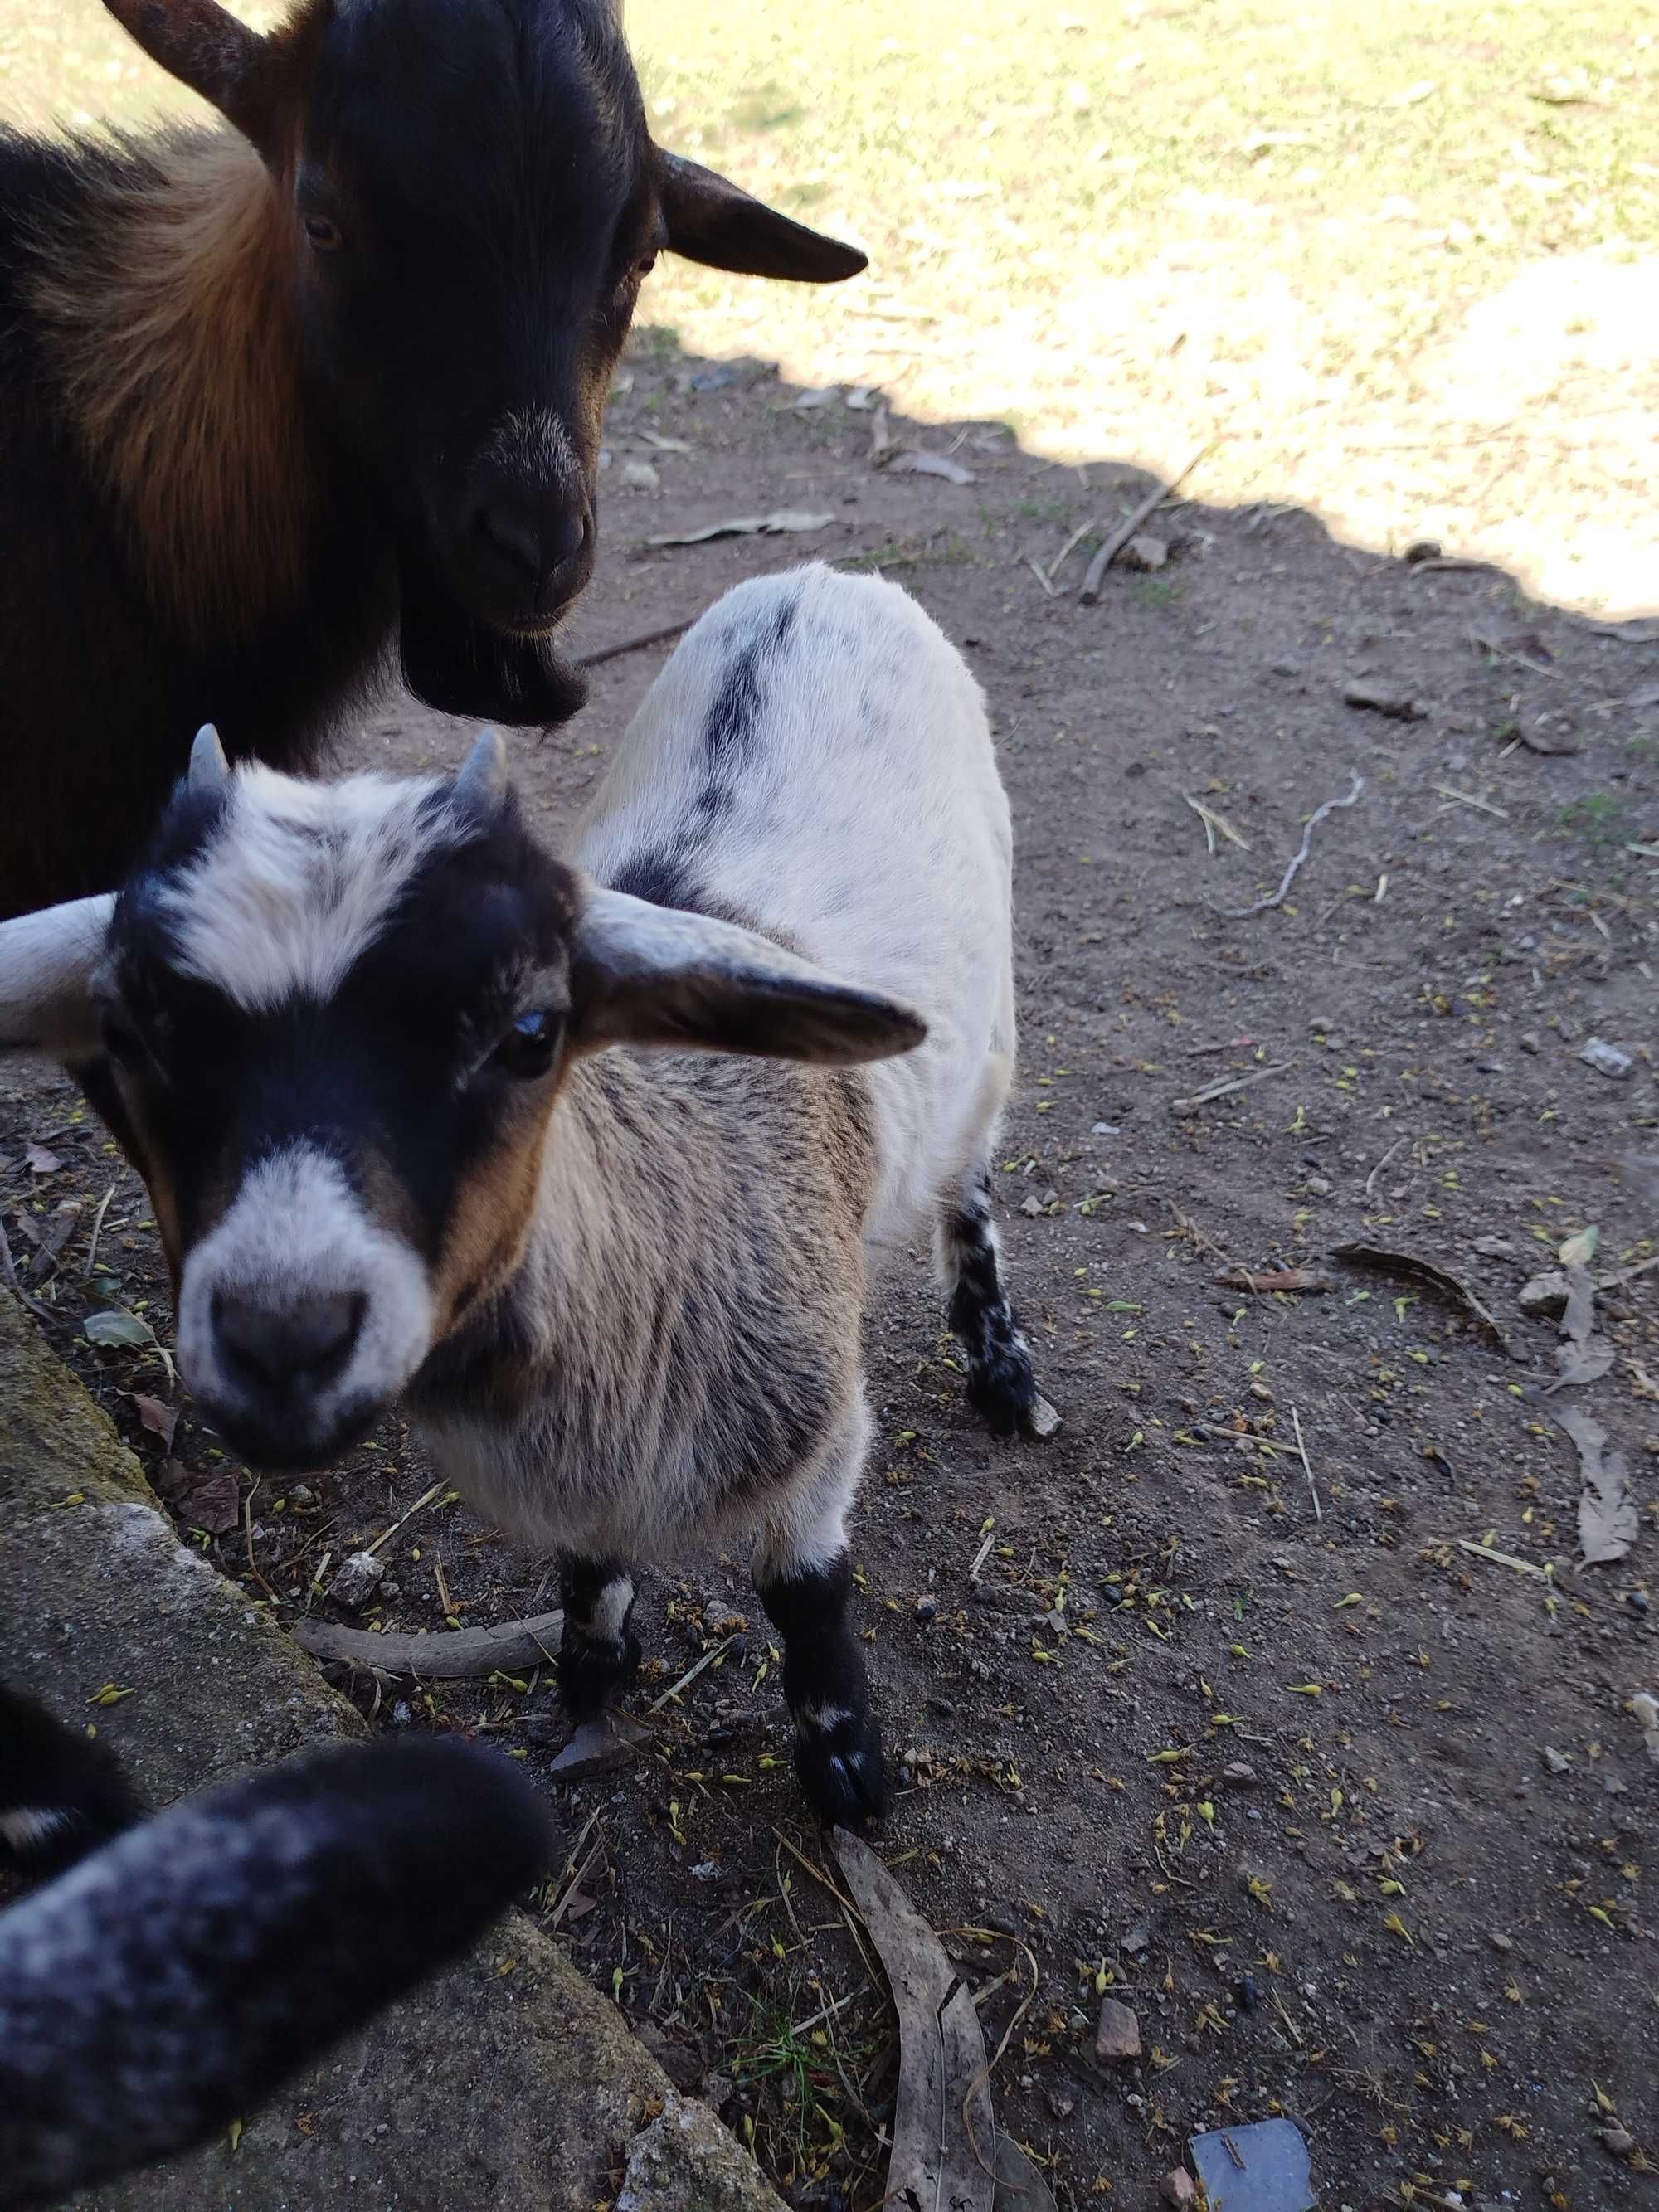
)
(300, 1318)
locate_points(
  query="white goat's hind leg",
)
(803, 1574)
(1000, 1384)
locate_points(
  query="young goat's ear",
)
(648, 974)
(711, 221)
(47, 963)
(251, 81)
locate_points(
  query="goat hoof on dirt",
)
(843, 1769)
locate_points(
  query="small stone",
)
(1056, 1624)
(1178, 2187)
(1007, 1597)
(641, 476)
(300, 1495)
(1138, 1940)
(1383, 699)
(1607, 1059)
(1246, 1993)
(1619, 2141)
(1545, 1295)
(599, 1747)
(355, 1583)
(926, 1608)
(1554, 1760)
(1042, 1421)
(1422, 549)
(1237, 1776)
(1499, 1942)
(1105, 1130)
(1318, 1186)
(1145, 552)
(1030, 1206)
(717, 2091)
(1320, 1023)
(1528, 1043)
(1493, 1247)
(1062, 2107)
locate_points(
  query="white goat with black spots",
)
(361, 1036)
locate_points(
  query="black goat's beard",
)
(454, 662)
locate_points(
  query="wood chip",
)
(467, 1653)
(943, 2135)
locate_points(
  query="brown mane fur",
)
(167, 310)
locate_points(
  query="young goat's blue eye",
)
(528, 1045)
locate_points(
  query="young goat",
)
(173, 1979)
(276, 397)
(359, 1032)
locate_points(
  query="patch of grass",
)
(1645, 745)
(1157, 591)
(795, 2075)
(1602, 819)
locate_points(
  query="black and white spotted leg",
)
(599, 1652)
(838, 1753)
(803, 1574)
(1001, 1386)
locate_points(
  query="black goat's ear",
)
(711, 221)
(255, 82)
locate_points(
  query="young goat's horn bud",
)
(209, 769)
(482, 783)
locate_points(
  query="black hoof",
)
(1003, 1392)
(842, 1770)
(592, 1672)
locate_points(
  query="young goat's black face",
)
(339, 1017)
(472, 199)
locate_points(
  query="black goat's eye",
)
(528, 1047)
(645, 264)
(324, 235)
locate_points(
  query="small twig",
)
(1111, 546)
(1278, 898)
(1230, 1044)
(1468, 799)
(1076, 538)
(425, 1498)
(1307, 1466)
(691, 1673)
(1501, 1559)
(8, 1270)
(604, 653)
(1223, 1087)
(816, 1873)
(97, 1226)
(1049, 589)
(1370, 1180)
(247, 1527)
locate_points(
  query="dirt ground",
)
(1328, 1765)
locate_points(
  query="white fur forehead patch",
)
(299, 879)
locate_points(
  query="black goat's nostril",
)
(513, 533)
(565, 538)
(278, 1348)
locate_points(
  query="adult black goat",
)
(180, 1971)
(274, 396)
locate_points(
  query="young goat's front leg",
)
(599, 1652)
(804, 1574)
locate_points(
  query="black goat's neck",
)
(166, 306)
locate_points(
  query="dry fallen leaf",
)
(930, 465)
(1412, 1269)
(161, 1420)
(1607, 1510)
(782, 520)
(38, 1161)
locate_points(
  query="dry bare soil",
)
(1346, 1799)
